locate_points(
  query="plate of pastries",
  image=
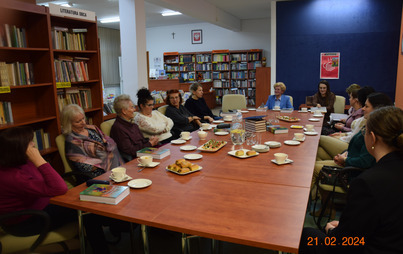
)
(183, 167)
(243, 153)
(288, 118)
(212, 145)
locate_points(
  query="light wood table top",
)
(247, 201)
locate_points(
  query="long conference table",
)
(245, 201)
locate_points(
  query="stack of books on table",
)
(156, 153)
(104, 193)
(255, 124)
(277, 129)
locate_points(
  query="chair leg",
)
(144, 233)
(184, 243)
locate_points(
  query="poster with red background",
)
(329, 65)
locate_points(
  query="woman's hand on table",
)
(339, 126)
(154, 140)
(208, 118)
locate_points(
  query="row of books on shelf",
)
(254, 65)
(16, 74)
(71, 69)
(80, 96)
(203, 58)
(12, 36)
(6, 113)
(171, 68)
(187, 58)
(249, 92)
(220, 58)
(220, 75)
(41, 139)
(203, 67)
(68, 39)
(187, 67)
(239, 74)
(108, 107)
(221, 67)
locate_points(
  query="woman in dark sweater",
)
(198, 106)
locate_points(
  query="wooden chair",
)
(339, 104)
(163, 109)
(10, 243)
(233, 101)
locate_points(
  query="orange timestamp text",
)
(332, 241)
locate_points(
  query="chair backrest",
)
(163, 109)
(233, 101)
(107, 126)
(291, 100)
(339, 104)
(60, 142)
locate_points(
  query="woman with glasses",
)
(371, 221)
(152, 122)
(126, 132)
(182, 118)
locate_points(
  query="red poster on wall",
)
(329, 65)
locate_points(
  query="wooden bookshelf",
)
(36, 104)
(231, 71)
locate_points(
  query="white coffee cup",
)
(310, 127)
(318, 112)
(118, 174)
(304, 109)
(145, 160)
(202, 135)
(185, 134)
(276, 107)
(205, 126)
(299, 136)
(280, 157)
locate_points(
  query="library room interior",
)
(224, 150)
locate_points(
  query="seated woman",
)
(28, 182)
(324, 98)
(356, 154)
(198, 106)
(87, 148)
(152, 122)
(126, 132)
(182, 118)
(373, 210)
(278, 99)
(356, 112)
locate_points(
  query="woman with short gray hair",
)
(198, 106)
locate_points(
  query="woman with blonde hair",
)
(88, 149)
(279, 99)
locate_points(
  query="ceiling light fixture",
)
(171, 13)
(67, 5)
(110, 20)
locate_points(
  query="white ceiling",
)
(226, 13)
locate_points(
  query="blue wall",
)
(365, 32)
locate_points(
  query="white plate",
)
(311, 133)
(218, 121)
(300, 140)
(227, 120)
(318, 115)
(314, 119)
(151, 165)
(193, 156)
(264, 150)
(243, 156)
(127, 178)
(300, 111)
(275, 109)
(139, 183)
(273, 144)
(178, 141)
(189, 138)
(213, 125)
(188, 148)
(292, 142)
(251, 109)
(221, 133)
(287, 161)
(244, 111)
(207, 129)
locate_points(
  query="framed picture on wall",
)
(197, 36)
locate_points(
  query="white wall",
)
(255, 34)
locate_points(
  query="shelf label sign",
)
(59, 10)
(63, 84)
(5, 89)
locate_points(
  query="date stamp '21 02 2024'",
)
(332, 241)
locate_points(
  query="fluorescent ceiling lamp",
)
(111, 20)
(171, 13)
(67, 5)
